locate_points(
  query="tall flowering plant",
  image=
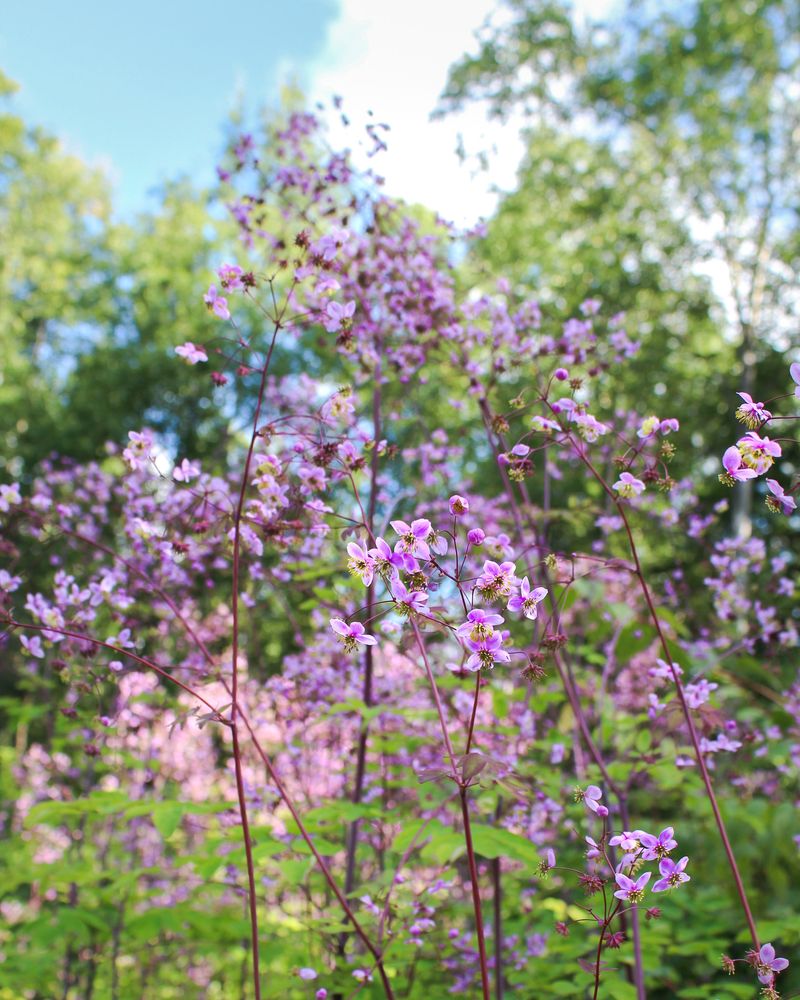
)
(429, 766)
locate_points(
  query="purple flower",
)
(794, 371)
(561, 374)
(768, 964)
(496, 579)
(668, 425)
(479, 625)
(384, 558)
(216, 303)
(352, 634)
(230, 277)
(539, 423)
(626, 840)
(649, 427)
(191, 352)
(475, 536)
(527, 599)
(338, 317)
(458, 505)
(186, 471)
(628, 485)
(412, 537)
(360, 564)
(629, 890)
(672, 874)
(736, 471)
(486, 653)
(594, 848)
(751, 413)
(657, 847)
(33, 646)
(408, 601)
(758, 453)
(779, 502)
(321, 994)
(592, 797)
(9, 494)
(307, 974)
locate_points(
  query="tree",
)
(705, 96)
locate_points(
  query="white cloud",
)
(392, 59)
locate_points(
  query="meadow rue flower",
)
(629, 890)
(626, 840)
(360, 564)
(479, 625)
(657, 847)
(9, 494)
(386, 560)
(669, 425)
(527, 599)
(648, 427)
(33, 646)
(338, 317)
(735, 470)
(230, 277)
(191, 353)
(486, 653)
(186, 471)
(591, 798)
(321, 994)
(307, 974)
(353, 634)
(413, 537)
(496, 580)
(589, 427)
(475, 536)
(543, 424)
(628, 485)
(794, 371)
(758, 453)
(458, 505)
(751, 413)
(672, 874)
(779, 502)
(561, 374)
(408, 601)
(593, 850)
(216, 303)
(767, 964)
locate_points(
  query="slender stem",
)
(363, 735)
(686, 711)
(68, 633)
(437, 700)
(237, 756)
(248, 850)
(474, 711)
(497, 904)
(638, 962)
(476, 896)
(341, 898)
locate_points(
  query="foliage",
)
(217, 785)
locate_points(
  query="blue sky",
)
(144, 87)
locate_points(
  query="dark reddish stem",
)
(476, 896)
(462, 788)
(341, 898)
(237, 756)
(471, 729)
(712, 798)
